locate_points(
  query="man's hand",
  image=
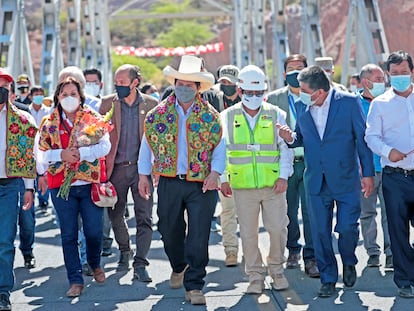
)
(28, 200)
(226, 190)
(210, 183)
(70, 155)
(280, 186)
(144, 187)
(367, 184)
(396, 155)
(285, 132)
(42, 184)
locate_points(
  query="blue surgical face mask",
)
(400, 83)
(37, 99)
(122, 91)
(306, 98)
(292, 78)
(185, 94)
(156, 95)
(378, 88)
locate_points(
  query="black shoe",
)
(327, 290)
(123, 263)
(293, 261)
(311, 269)
(29, 261)
(349, 275)
(406, 291)
(5, 302)
(141, 274)
(106, 252)
(373, 261)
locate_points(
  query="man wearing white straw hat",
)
(183, 145)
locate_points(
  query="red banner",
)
(178, 51)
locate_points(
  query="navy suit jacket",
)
(342, 150)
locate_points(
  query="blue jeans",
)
(26, 223)
(43, 198)
(79, 202)
(9, 199)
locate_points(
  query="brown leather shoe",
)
(177, 278)
(75, 290)
(311, 269)
(195, 297)
(231, 260)
(99, 275)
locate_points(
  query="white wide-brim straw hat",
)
(190, 69)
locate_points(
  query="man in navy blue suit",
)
(331, 127)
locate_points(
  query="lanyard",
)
(292, 105)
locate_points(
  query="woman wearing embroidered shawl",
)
(57, 152)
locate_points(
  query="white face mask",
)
(252, 102)
(70, 104)
(92, 89)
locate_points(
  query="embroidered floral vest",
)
(21, 132)
(203, 135)
(50, 138)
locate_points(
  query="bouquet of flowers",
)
(89, 130)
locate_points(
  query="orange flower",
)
(13, 151)
(21, 163)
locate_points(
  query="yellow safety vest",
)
(252, 156)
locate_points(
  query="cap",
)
(23, 78)
(229, 73)
(325, 63)
(5, 75)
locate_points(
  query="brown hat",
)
(5, 75)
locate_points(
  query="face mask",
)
(252, 102)
(156, 95)
(353, 88)
(228, 90)
(23, 89)
(306, 98)
(70, 104)
(377, 88)
(400, 83)
(122, 91)
(292, 78)
(4, 95)
(38, 99)
(185, 94)
(92, 89)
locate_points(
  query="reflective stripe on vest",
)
(253, 156)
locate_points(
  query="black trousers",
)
(186, 246)
(399, 204)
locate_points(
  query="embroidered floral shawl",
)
(21, 132)
(50, 139)
(203, 135)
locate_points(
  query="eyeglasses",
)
(253, 93)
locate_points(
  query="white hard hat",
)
(252, 78)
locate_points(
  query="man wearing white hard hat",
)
(183, 138)
(259, 164)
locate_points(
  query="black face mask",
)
(4, 95)
(228, 90)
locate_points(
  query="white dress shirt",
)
(320, 114)
(38, 115)
(390, 124)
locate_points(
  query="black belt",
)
(398, 170)
(299, 159)
(126, 163)
(5, 181)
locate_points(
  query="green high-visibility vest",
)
(253, 156)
